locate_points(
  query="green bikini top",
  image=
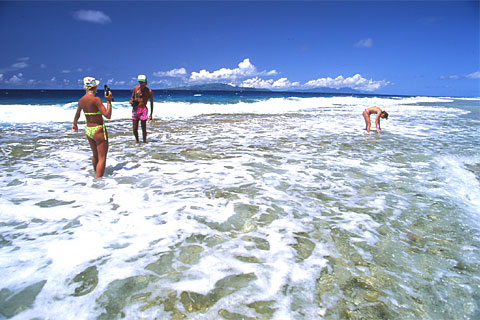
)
(92, 113)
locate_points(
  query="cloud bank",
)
(474, 75)
(247, 75)
(22, 64)
(174, 73)
(245, 69)
(356, 82)
(282, 83)
(92, 16)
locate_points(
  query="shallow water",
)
(279, 209)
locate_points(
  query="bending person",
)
(380, 114)
(140, 96)
(95, 129)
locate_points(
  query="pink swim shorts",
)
(140, 113)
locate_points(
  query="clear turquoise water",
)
(282, 208)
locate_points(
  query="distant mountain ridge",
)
(229, 87)
(333, 90)
(216, 87)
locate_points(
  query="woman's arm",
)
(106, 112)
(377, 122)
(75, 119)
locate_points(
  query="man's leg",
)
(144, 130)
(135, 129)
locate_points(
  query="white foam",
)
(180, 110)
(461, 184)
(288, 176)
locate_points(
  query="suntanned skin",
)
(366, 115)
(142, 102)
(89, 104)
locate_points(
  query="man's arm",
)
(151, 105)
(133, 95)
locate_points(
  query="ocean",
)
(241, 205)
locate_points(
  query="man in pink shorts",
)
(140, 96)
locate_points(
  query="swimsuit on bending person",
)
(374, 112)
(90, 131)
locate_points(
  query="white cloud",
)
(356, 82)
(474, 75)
(112, 82)
(20, 65)
(15, 79)
(364, 43)
(245, 69)
(167, 83)
(92, 16)
(70, 71)
(43, 66)
(174, 73)
(17, 65)
(282, 83)
(450, 77)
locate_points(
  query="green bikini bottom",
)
(90, 131)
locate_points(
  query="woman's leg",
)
(102, 150)
(368, 124)
(93, 146)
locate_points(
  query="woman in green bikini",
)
(95, 129)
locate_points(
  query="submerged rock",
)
(88, 279)
(190, 254)
(248, 259)
(260, 243)
(163, 265)
(118, 293)
(168, 303)
(225, 314)
(193, 301)
(21, 301)
(304, 248)
(263, 307)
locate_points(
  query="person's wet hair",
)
(385, 114)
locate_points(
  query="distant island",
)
(216, 87)
(229, 87)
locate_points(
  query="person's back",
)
(95, 129)
(89, 105)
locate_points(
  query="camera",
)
(107, 90)
(135, 103)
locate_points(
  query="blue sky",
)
(384, 47)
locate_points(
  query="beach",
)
(263, 206)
